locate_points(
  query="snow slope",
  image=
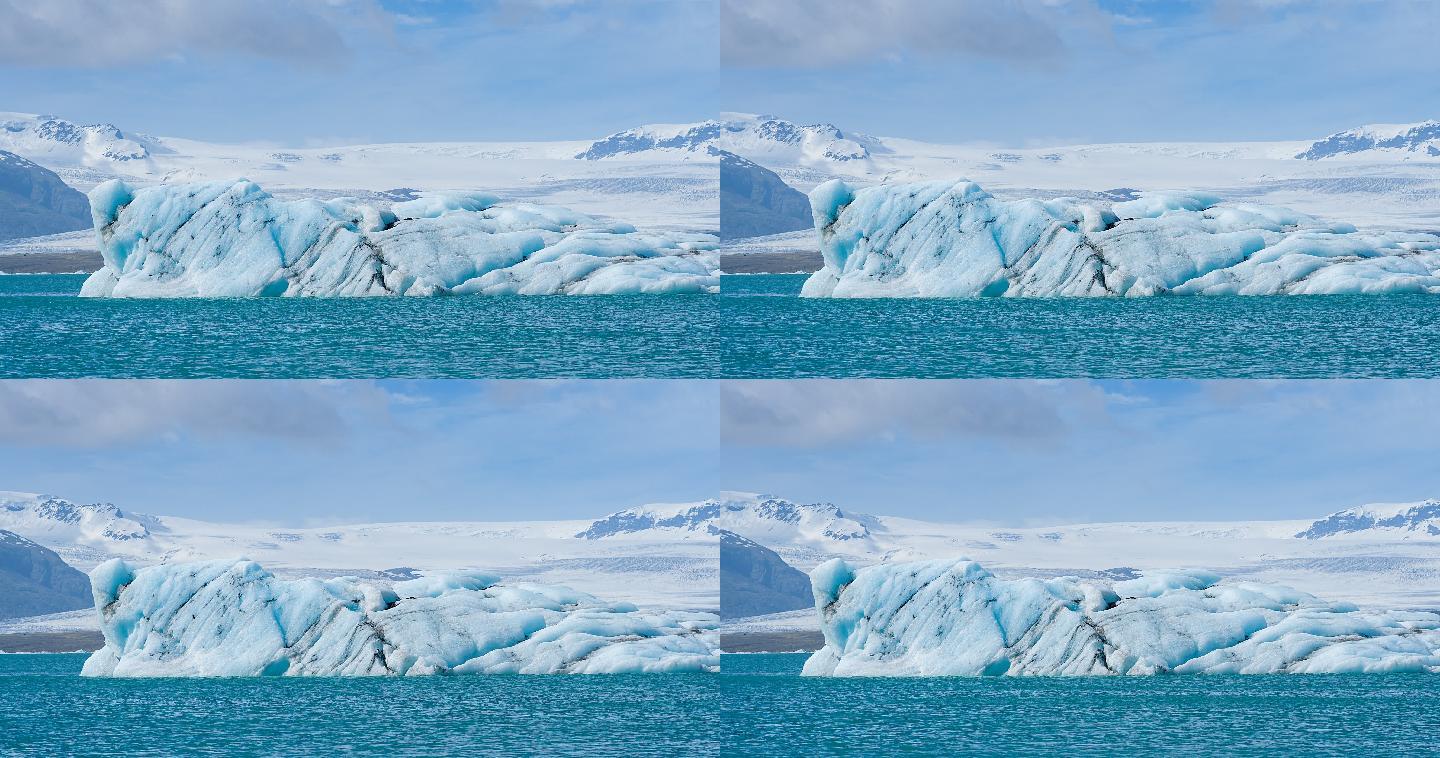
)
(670, 570)
(222, 618)
(224, 239)
(953, 239)
(954, 618)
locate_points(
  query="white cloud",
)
(88, 33)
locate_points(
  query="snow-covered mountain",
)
(1379, 140)
(686, 517)
(768, 139)
(765, 139)
(84, 534)
(1380, 521)
(54, 141)
(667, 568)
(766, 519)
(655, 138)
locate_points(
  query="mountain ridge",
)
(35, 201)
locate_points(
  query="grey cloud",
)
(819, 413)
(97, 413)
(819, 33)
(89, 33)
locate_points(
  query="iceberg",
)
(233, 618)
(953, 239)
(233, 239)
(954, 618)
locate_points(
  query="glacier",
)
(234, 618)
(954, 618)
(954, 239)
(233, 239)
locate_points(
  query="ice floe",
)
(954, 618)
(232, 239)
(233, 618)
(953, 239)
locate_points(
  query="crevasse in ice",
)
(233, 618)
(232, 239)
(953, 239)
(954, 618)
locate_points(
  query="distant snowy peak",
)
(55, 521)
(54, 141)
(1400, 519)
(765, 139)
(768, 520)
(699, 517)
(693, 138)
(1421, 139)
(762, 516)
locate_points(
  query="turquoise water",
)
(768, 707)
(47, 709)
(44, 332)
(756, 329)
(767, 332)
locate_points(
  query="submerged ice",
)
(948, 618)
(224, 618)
(953, 239)
(232, 239)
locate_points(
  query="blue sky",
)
(1035, 453)
(302, 72)
(1034, 72)
(298, 453)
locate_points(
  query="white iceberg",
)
(233, 618)
(953, 618)
(232, 239)
(953, 239)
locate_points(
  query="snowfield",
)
(954, 618)
(654, 190)
(224, 239)
(953, 239)
(1375, 561)
(222, 618)
(653, 570)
